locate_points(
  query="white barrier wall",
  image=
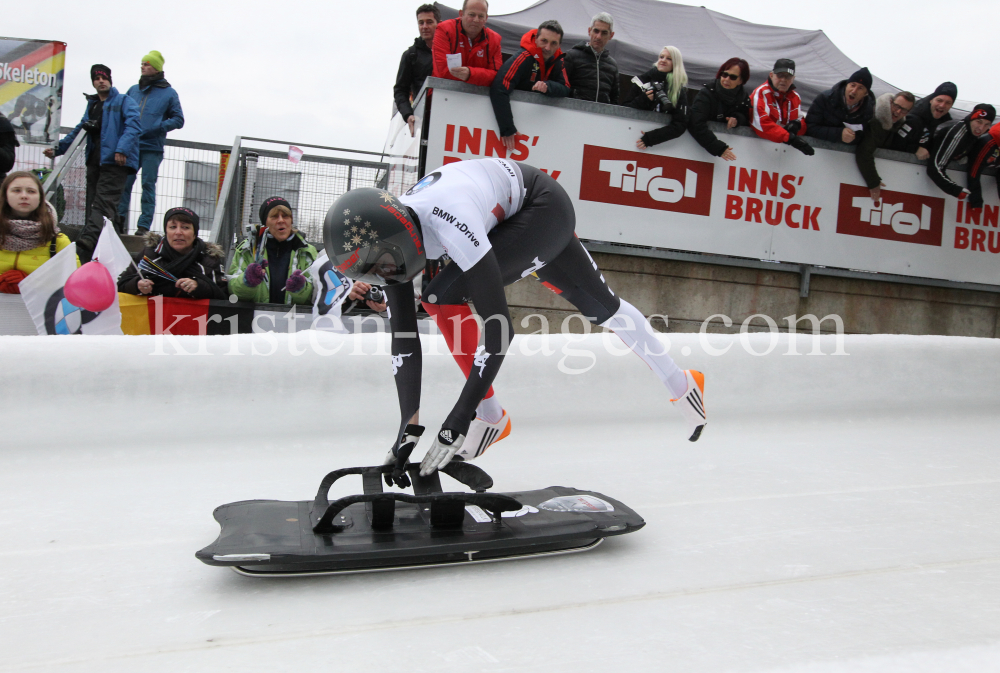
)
(772, 203)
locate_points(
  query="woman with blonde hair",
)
(664, 90)
(29, 230)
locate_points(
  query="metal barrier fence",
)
(191, 176)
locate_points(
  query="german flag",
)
(191, 317)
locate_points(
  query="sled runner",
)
(379, 531)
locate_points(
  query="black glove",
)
(92, 126)
(399, 457)
(660, 96)
(975, 201)
(801, 145)
(793, 127)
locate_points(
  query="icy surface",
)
(839, 513)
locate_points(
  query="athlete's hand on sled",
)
(445, 446)
(399, 457)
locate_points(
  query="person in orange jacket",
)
(468, 37)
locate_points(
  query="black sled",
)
(380, 531)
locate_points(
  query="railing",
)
(190, 176)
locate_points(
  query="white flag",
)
(112, 254)
(42, 291)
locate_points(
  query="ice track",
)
(839, 513)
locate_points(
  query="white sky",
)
(322, 72)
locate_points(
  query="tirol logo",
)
(646, 180)
(910, 218)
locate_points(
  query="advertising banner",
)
(773, 203)
(31, 81)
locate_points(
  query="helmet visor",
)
(380, 264)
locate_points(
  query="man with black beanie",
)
(917, 132)
(111, 122)
(954, 140)
(839, 113)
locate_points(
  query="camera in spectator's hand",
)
(375, 294)
(92, 126)
(660, 96)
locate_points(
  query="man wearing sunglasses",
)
(890, 113)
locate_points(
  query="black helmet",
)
(370, 236)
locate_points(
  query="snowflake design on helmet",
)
(347, 211)
(373, 234)
(356, 240)
(347, 246)
(354, 230)
(386, 196)
(346, 222)
(357, 218)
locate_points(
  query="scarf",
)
(147, 80)
(177, 263)
(728, 97)
(24, 235)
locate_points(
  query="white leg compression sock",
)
(632, 327)
(490, 410)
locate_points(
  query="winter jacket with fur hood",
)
(204, 266)
(877, 134)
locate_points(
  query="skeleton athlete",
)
(499, 221)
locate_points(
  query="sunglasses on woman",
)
(729, 75)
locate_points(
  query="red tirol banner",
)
(772, 203)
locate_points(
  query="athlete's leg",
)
(446, 300)
(575, 276)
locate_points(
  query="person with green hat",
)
(160, 112)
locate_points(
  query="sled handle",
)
(447, 509)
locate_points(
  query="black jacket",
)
(828, 114)
(985, 154)
(709, 107)
(8, 143)
(918, 129)
(415, 66)
(521, 71)
(878, 133)
(592, 76)
(205, 267)
(678, 115)
(952, 141)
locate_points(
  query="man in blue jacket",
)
(112, 120)
(159, 112)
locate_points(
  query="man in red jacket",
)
(776, 108)
(474, 49)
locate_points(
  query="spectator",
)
(776, 109)
(29, 231)
(984, 156)
(839, 113)
(417, 63)
(468, 38)
(8, 147)
(159, 113)
(539, 67)
(917, 132)
(178, 265)
(272, 269)
(111, 122)
(592, 73)
(663, 91)
(890, 112)
(954, 140)
(725, 101)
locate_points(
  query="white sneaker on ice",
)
(692, 403)
(483, 435)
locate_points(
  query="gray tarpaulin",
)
(706, 40)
